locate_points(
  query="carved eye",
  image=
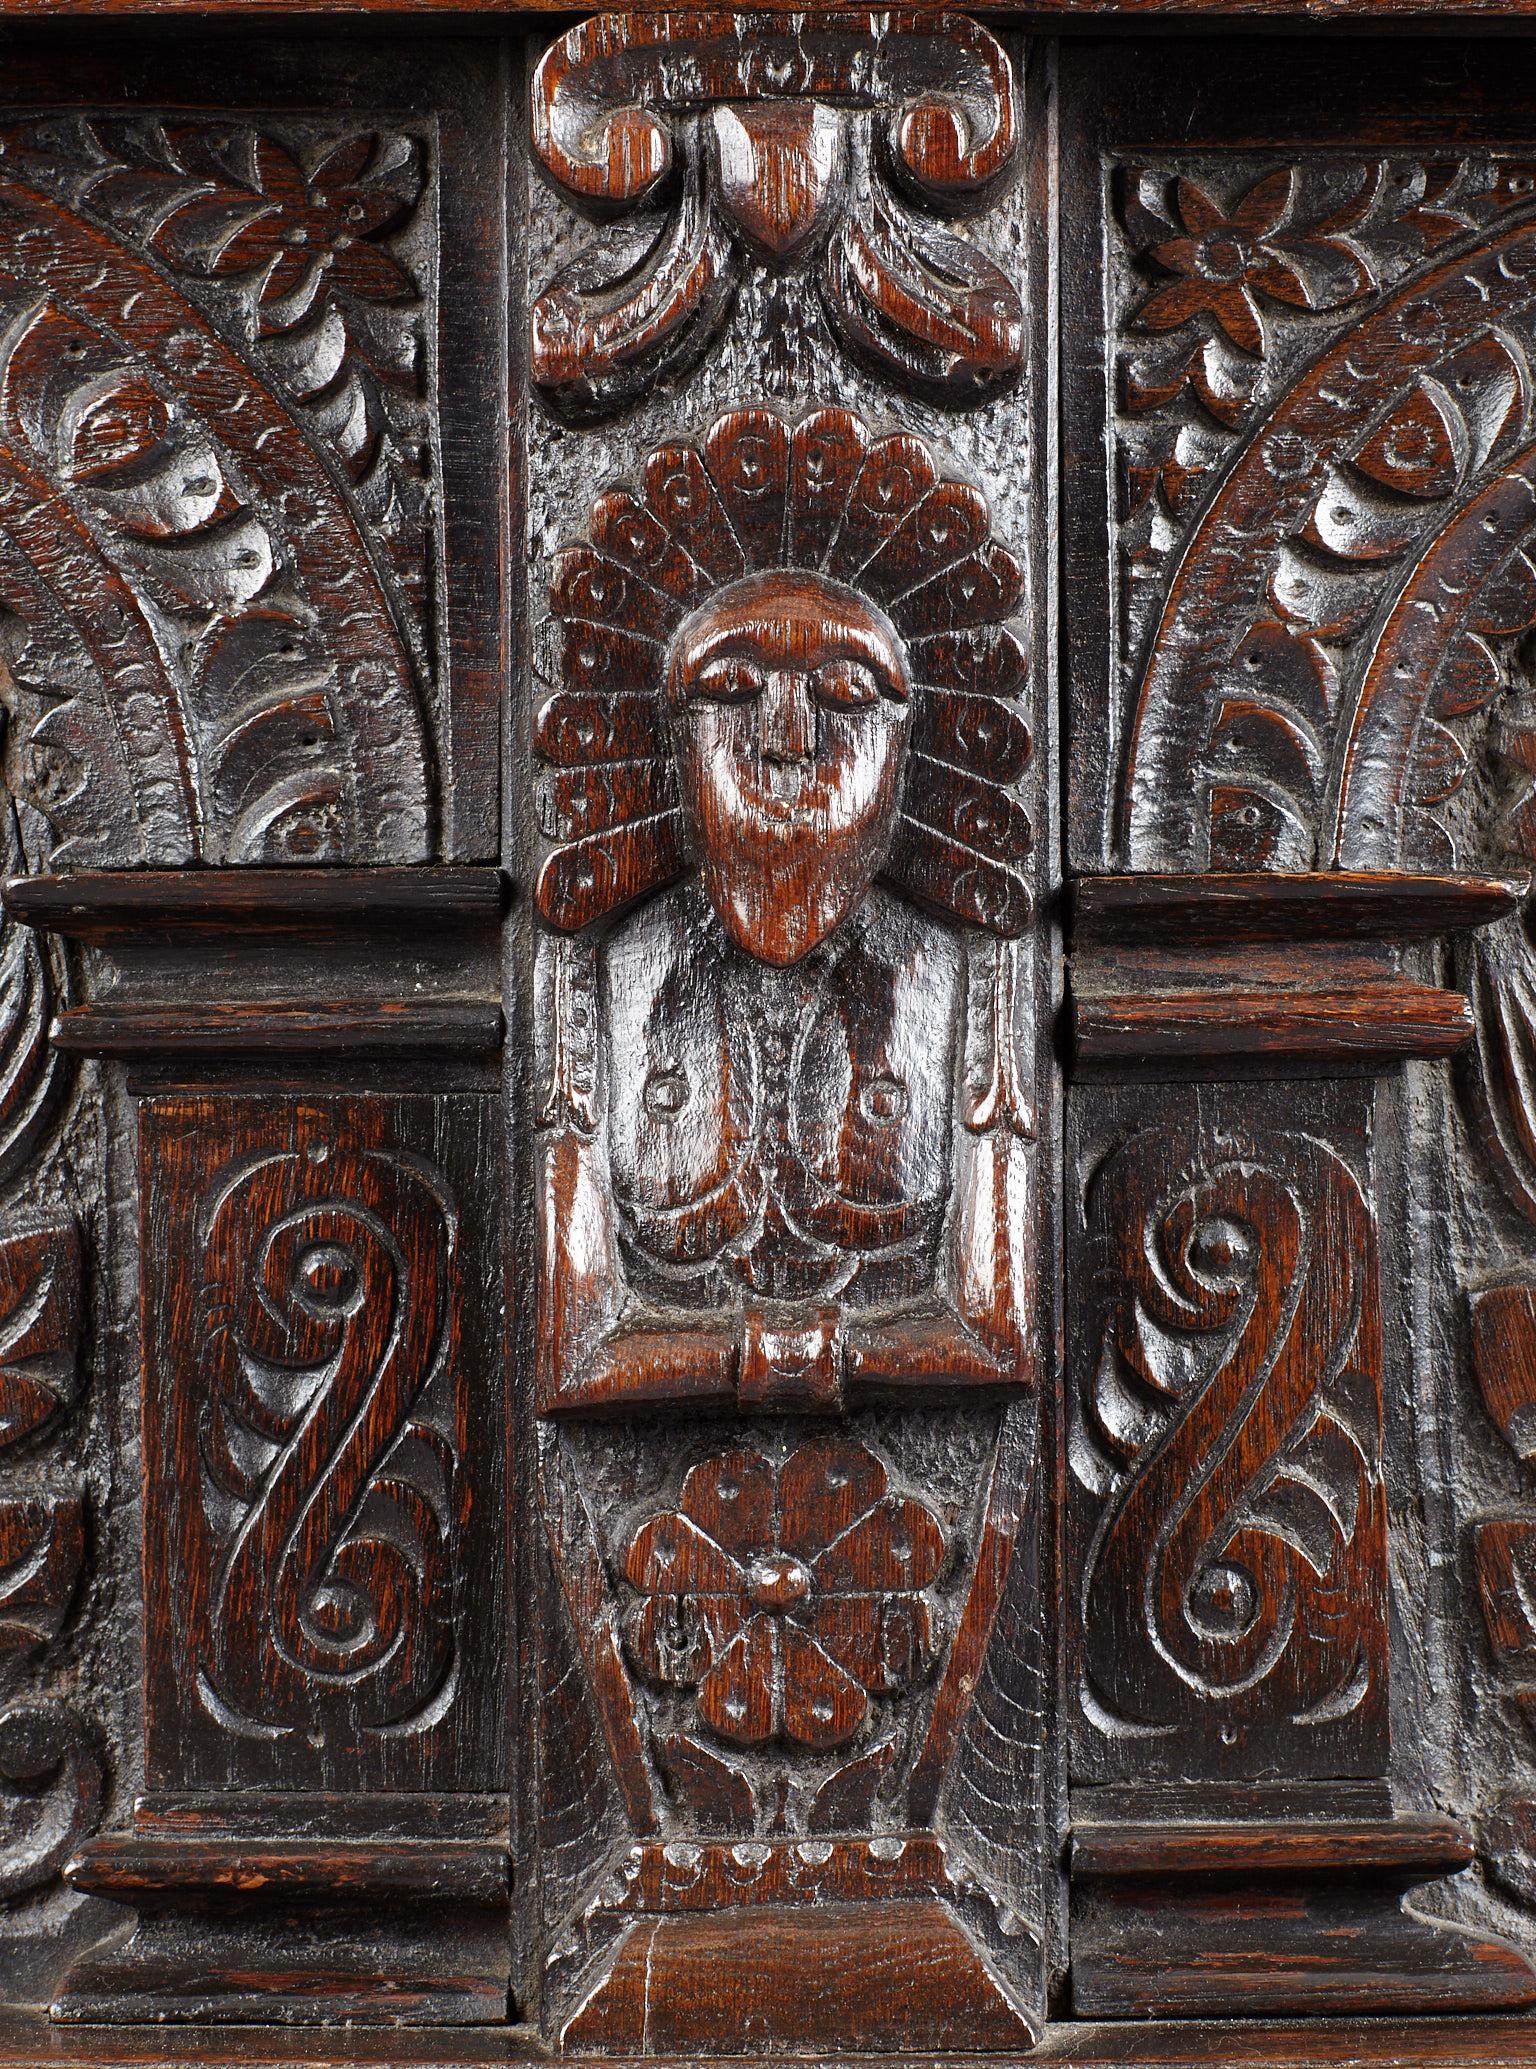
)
(728, 680)
(847, 683)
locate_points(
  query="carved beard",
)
(790, 710)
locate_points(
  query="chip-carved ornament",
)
(817, 143)
(787, 732)
(1341, 619)
(213, 657)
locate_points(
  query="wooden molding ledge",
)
(1253, 1918)
(281, 963)
(28, 2041)
(1267, 973)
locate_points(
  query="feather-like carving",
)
(760, 494)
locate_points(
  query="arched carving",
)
(1346, 597)
(190, 600)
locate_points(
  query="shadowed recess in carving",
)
(51, 1775)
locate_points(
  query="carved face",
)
(791, 704)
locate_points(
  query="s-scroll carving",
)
(1227, 1443)
(327, 1290)
(821, 144)
(301, 1329)
(787, 1124)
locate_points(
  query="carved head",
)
(790, 702)
(785, 661)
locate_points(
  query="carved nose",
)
(788, 717)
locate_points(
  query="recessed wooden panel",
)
(1228, 1510)
(324, 1424)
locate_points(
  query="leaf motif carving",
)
(804, 159)
(1365, 548)
(170, 529)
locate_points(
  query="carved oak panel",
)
(771, 1422)
(1226, 1436)
(323, 1435)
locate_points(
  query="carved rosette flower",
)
(1226, 260)
(316, 227)
(786, 1593)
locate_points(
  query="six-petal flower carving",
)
(787, 1593)
(319, 225)
(1226, 258)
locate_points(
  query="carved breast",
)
(782, 1130)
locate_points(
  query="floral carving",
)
(168, 527)
(1226, 261)
(786, 1593)
(305, 233)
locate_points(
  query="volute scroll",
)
(822, 145)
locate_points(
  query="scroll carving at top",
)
(803, 143)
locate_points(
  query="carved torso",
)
(783, 1131)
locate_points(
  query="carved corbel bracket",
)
(806, 141)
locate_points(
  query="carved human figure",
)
(756, 1071)
(790, 700)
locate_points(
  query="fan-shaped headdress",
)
(877, 516)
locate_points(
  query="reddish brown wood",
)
(786, 614)
(826, 1620)
(1281, 905)
(1409, 1846)
(1336, 17)
(1368, 1023)
(1504, 1359)
(315, 1315)
(1202, 1916)
(101, 905)
(282, 1027)
(866, 1978)
(1228, 1532)
(313, 1607)
(774, 184)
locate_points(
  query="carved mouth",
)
(782, 791)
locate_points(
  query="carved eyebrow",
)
(852, 642)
